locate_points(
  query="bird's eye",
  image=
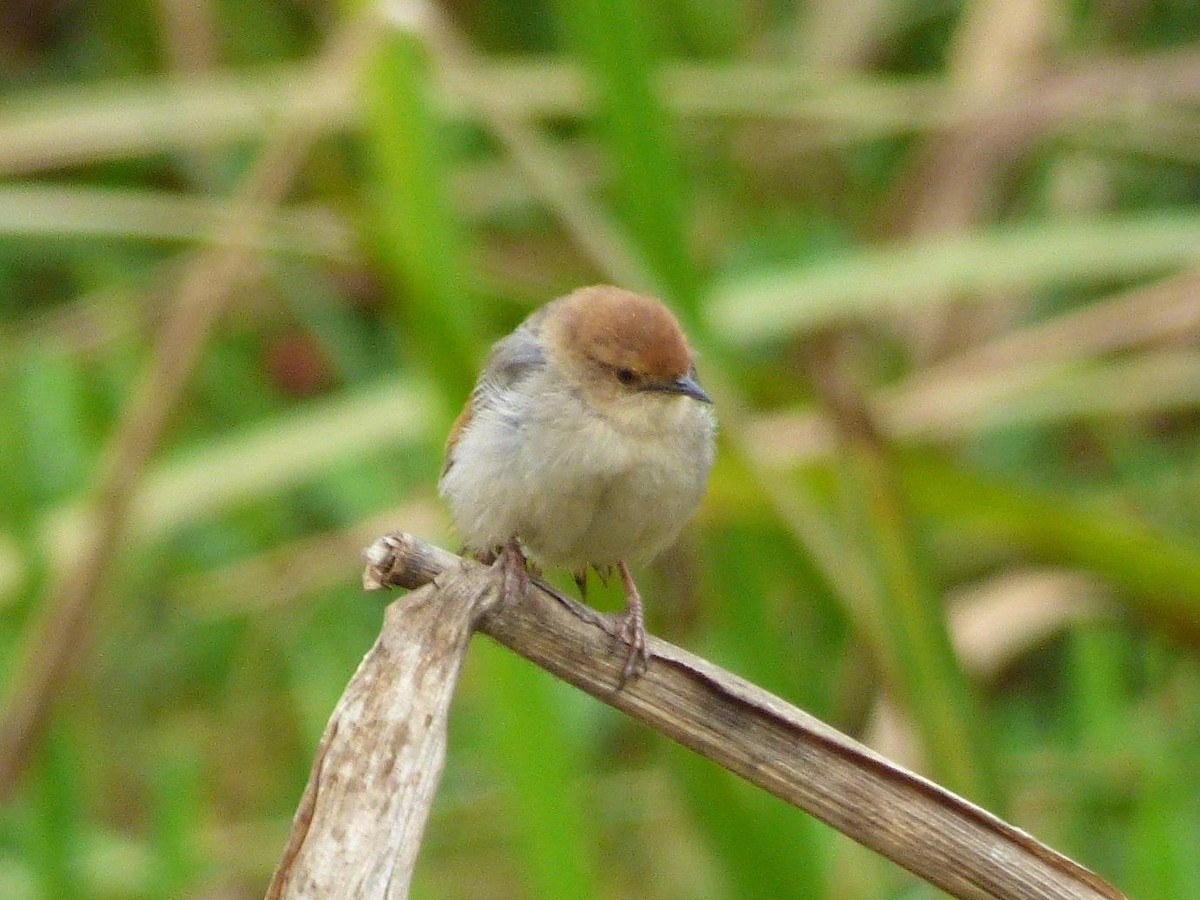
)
(626, 376)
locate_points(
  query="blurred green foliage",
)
(977, 221)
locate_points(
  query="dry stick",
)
(359, 825)
(384, 739)
(54, 642)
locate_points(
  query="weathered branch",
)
(379, 760)
(360, 821)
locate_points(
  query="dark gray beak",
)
(686, 385)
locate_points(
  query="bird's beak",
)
(686, 385)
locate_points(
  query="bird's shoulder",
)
(512, 360)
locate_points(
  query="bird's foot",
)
(630, 626)
(513, 569)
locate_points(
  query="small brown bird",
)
(587, 441)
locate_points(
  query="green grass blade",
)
(615, 40)
(58, 839)
(921, 662)
(542, 768)
(416, 229)
(884, 281)
(1160, 572)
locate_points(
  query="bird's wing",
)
(512, 360)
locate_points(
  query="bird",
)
(586, 442)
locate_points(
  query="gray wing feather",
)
(512, 359)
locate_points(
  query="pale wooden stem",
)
(360, 821)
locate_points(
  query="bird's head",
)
(625, 353)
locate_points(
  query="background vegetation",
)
(939, 258)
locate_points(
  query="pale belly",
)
(586, 496)
(632, 516)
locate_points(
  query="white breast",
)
(575, 487)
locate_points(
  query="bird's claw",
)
(631, 629)
(514, 571)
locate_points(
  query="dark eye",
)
(626, 376)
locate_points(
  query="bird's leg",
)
(581, 582)
(631, 627)
(514, 572)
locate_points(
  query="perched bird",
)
(587, 441)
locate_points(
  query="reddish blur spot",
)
(298, 366)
